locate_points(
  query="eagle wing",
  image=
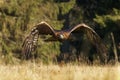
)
(93, 37)
(30, 42)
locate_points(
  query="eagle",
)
(43, 28)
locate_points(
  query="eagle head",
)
(60, 36)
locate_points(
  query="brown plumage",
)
(43, 28)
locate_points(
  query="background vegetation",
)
(17, 18)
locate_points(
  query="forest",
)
(17, 18)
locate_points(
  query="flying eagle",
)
(43, 28)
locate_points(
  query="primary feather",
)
(30, 43)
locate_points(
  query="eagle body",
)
(43, 28)
(59, 35)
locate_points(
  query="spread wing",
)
(30, 42)
(93, 37)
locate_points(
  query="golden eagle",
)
(43, 28)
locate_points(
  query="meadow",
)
(35, 71)
(18, 17)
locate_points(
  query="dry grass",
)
(31, 71)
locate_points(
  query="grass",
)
(32, 71)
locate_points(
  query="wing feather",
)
(94, 38)
(44, 28)
(30, 42)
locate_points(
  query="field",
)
(32, 71)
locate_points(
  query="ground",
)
(35, 71)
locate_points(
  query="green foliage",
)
(66, 7)
(17, 18)
(111, 24)
(113, 17)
